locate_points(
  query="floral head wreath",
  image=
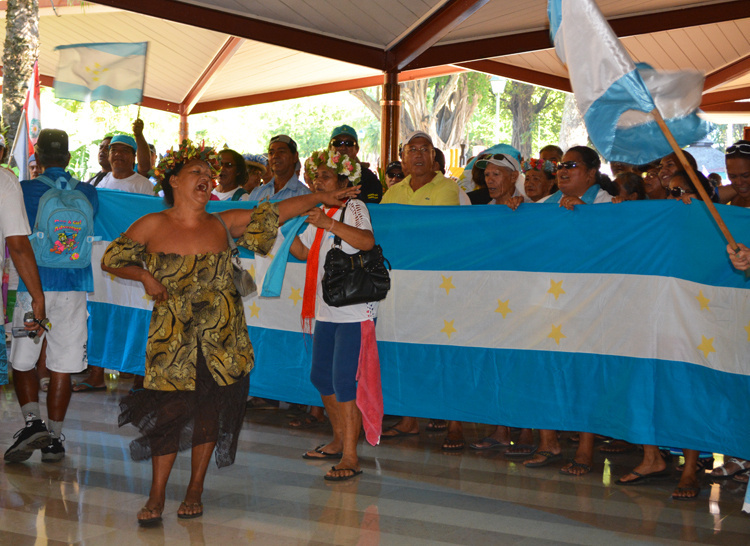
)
(187, 151)
(340, 163)
(533, 164)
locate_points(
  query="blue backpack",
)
(64, 228)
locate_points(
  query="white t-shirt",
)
(13, 219)
(134, 183)
(356, 215)
(226, 195)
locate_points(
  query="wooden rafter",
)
(440, 23)
(730, 95)
(221, 58)
(299, 92)
(535, 40)
(533, 77)
(255, 29)
(738, 68)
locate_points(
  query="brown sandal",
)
(190, 506)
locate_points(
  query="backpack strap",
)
(70, 184)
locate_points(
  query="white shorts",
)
(66, 340)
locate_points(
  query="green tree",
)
(21, 50)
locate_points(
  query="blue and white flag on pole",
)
(614, 96)
(113, 72)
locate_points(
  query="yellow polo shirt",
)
(440, 191)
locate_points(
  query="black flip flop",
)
(354, 474)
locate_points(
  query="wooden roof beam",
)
(738, 68)
(255, 29)
(427, 34)
(321, 89)
(730, 95)
(533, 77)
(221, 58)
(728, 108)
(535, 40)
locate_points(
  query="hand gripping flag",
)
(113, 72)
(614, 96)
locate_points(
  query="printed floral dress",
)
(198, 354)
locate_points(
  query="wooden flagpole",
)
(691, 173)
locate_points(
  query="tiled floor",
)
(410, 493)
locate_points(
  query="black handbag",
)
(354, 278)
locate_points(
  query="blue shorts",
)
(335, 359)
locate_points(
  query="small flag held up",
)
(113, 72)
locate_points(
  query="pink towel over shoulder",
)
(369, 389)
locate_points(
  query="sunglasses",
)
(743, 149)
(677, 192)
(487, 157)
(397, 176)
(339, 143)
(649, 174)
(568, 165)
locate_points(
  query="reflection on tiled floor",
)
(410, 493)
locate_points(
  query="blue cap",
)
(124, 139)
(345, 130)
(496, 149)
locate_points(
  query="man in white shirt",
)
(122, 150)
(15, 231)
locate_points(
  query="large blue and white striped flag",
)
(614, 96)
(113, 72)
(536, 318)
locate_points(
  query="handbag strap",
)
(230, 240)
(336, 238)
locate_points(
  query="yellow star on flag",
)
(747, 329)
(503, 307)
(703, 300)
(556, 333)
(448, 329)
(295, 297)
(707, 346)
(252, 270)
(555, 288)
(254, 310)
(447, 284)
(146, 297)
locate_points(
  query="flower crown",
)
(186, 152)
(533, 164)
(340, 163)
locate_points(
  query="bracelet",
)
(333, 222)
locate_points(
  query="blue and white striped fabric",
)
(614, 96)
(113, 72)
(627, 320)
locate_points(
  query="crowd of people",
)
(199, 355)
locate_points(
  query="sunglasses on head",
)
(343, 142)
(398, 176)
(487, 157)
(677, 192)
(568, 165)
(743, 149)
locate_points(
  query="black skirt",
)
(172, 421)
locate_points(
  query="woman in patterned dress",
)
(198, 355)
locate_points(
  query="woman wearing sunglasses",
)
(579, 180)
(681, 187)
(580, 183)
